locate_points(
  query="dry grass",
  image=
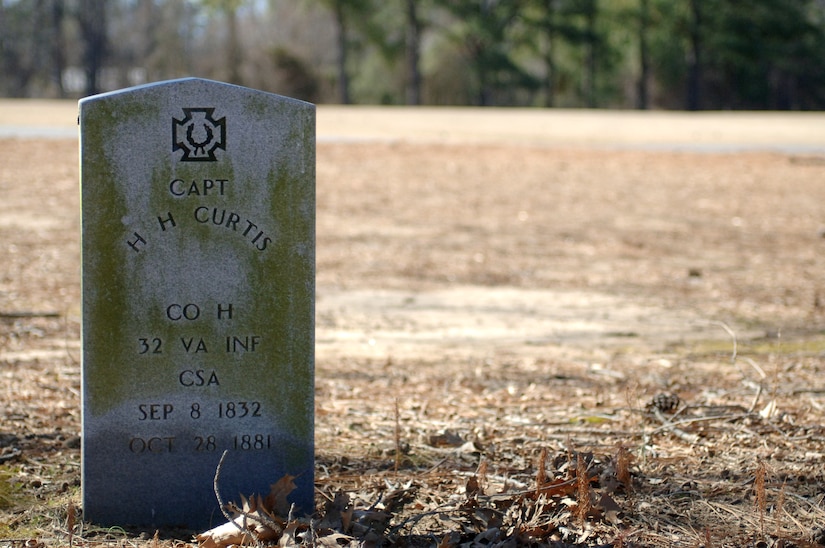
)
(518, 443)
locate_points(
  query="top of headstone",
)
(189, 83)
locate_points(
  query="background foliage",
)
(693, 54)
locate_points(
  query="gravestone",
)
(198, 244)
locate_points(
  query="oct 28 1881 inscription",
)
(198, 245)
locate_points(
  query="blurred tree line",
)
(693, 54)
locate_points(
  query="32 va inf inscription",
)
(248, 343)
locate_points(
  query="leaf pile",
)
(561, 508)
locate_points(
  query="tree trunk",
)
(549, 55)
(58, 49)
(413, 55)
(485, 92)
(343, 76)
(642, 96)
(233, 56)
(592, 44)
(694, 98)
(92, 21)
(5, 65)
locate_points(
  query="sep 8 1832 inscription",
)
(198, 228)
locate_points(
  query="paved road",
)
(703, 132)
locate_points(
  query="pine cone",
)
(666, 402)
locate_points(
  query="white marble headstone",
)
(198, 243)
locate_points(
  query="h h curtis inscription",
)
(198, 299)
(212, 216)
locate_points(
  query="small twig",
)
(12, 454)
(221, 504)
(733, 511)
(735, 351)
(397, 438)
(546, 489)
(811, 390)
(541, 475)
(776, 429)
(755, 398)
(28, 314)
(761, 494)
(435, 466)
(416, 517)
(749, 361)
(780, 509)
(732, 334)
(71, 517)
(75, 361)
(378, 500)
(584, 504)
(668, 426)
(260, 517)
(756, 367)
(792, 517)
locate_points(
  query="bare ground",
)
(494, 323)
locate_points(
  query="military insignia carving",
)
(198, 135)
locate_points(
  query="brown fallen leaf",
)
(473, 489)
(290, 539)
(334, 540)
(610, 508)
(276, 502)
(446, 542)
(257, 521)
(242, 530)
(337, 513)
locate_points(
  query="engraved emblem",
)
(198, 135)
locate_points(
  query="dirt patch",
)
(499, 311)
(487, 320)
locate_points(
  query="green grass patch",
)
(764, 346)
(13, 497)
(12, 491)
